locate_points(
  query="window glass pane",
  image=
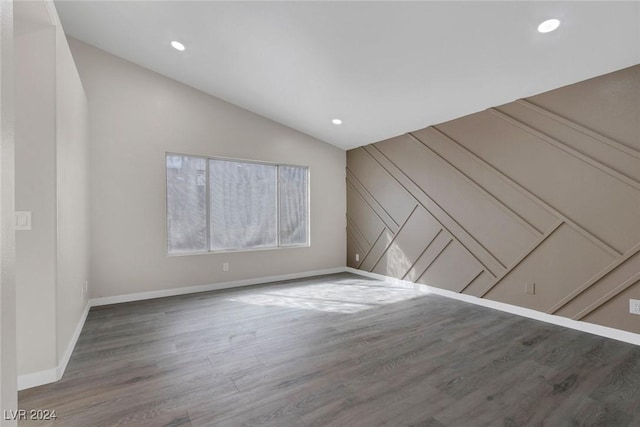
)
(186, 204)
(294, 209)
(242, 205)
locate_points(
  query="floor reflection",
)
(338, 296)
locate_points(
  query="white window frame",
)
(208, 206)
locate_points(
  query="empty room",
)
(319, 213)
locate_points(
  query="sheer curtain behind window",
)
(226, 205)
(293, 205)
(242, 205)
(186, 204)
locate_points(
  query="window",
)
(229, 205)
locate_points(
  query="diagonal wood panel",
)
(559, 265)
(354, 251)
(429, 255)
(597, 148)
(477, 213)
(606, 105)
(388, 221)
(408, 244)
(478, 286)
(512, 197)
(453, 269)
(362, 219)
(358, 238)
(633, 280)
(609, 282)
(566, 148)
(396, 201)
(517, 194)
(480, 190)
(608, 210)
(377, 250)
(488, 260)
(635, 152)
(556, 214)
(522, 257)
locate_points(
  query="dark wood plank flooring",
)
(337, 350)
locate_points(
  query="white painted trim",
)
(591, 328)
(62, 365)
(95, 302)
(37, 378)
(52, 375)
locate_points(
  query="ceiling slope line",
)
(313, 73)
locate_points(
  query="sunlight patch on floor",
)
(339, 296)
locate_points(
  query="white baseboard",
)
(52, 375)
(212, 287)
(603, 331)
(37, 378)
(62, 365)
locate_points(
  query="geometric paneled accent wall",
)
(541, 193)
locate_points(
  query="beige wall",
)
(72, 178)
(52, 262)
(36, 192)
(8, 395)
(544, 190)
(136, 116)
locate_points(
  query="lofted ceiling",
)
(383, 68)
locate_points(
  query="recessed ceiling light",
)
(177, 45)
(336, 121)
(549, 25)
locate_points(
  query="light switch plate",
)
(23, 220)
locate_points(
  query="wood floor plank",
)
(337, 350)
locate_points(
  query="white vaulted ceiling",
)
(383, 68)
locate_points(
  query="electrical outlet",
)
(634, 306)
(357, 257)
(530, 288)
(225, 266)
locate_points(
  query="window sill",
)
(234, 251)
